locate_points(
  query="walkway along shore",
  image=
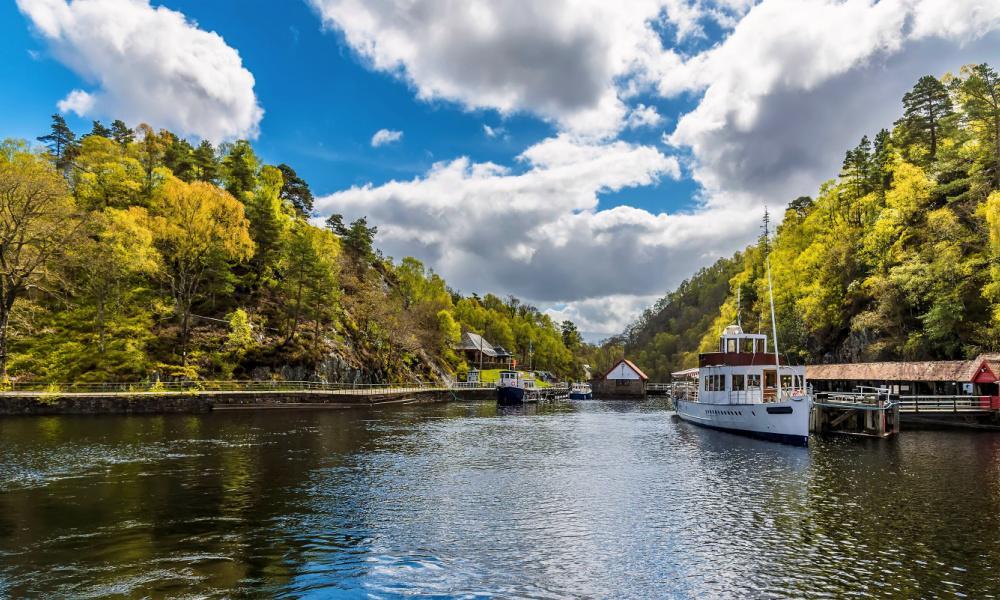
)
(208, 396)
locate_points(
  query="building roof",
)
(685, 373)
(931, 370)
(474, 341)
(631, 365)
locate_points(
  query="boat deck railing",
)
(689, 391)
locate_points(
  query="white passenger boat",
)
(743, 389)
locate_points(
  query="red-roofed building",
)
(624, 380)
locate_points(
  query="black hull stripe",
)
(784, 438)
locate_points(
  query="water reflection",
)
(553, 500)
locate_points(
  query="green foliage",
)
(897, 259)
(665, 338)
(137, 265)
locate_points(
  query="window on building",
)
(621, 382)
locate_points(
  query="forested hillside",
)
(898, 257)
(132, 254)
(665, 337)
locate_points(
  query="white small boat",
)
(581, 391)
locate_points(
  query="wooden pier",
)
(868, 413)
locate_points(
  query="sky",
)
(586, 156)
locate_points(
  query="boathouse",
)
(624, 380)
(480, 353)
(976, 377)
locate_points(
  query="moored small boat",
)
(516, 388)
(581, 391)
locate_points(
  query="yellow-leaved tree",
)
(200, 230)
(38, 222)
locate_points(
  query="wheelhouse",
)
(743, 372)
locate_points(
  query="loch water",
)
(590, 499)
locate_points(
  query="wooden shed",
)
(624, 380)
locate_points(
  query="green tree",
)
(206, 163)
(978, 90)
(99, 129)
(295, 191)
(122, 134)
(38, 223)
(61, 142)
(925, 108)
(570, 335)
(239, 168)
(310, 282)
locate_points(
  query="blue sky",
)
(322, 104)
(635, 141)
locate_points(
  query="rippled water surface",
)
(573, 500)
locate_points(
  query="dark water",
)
(587, 500)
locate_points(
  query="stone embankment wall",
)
(50, 404)
(187, 402)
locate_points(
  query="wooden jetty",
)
(869, 412)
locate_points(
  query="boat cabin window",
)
(786, 381)
(715, 383)
(753, 381)
(732, 345)
(738, 383)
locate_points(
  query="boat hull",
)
(580, 396)
(507, 396)
(786, 422)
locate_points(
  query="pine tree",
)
(61, 141)
(99, 130)
(206, 163)
(979, 93)
(880, 174)
(924, 108)
(296, 190)
(121, 133)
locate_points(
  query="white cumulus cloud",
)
(786, 88)
(385, 136)
(149, 64)
(797, 82)
(538, 231)
(77, 101)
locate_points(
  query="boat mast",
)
(770, 293)
(739, 321)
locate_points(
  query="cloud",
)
(558, 59)
(600, 318)
(797, 83)
(778, 96)
(386, 136)
(494, 132)
(537, 231)
(643, 116)
(78, 101)
(149, 64)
